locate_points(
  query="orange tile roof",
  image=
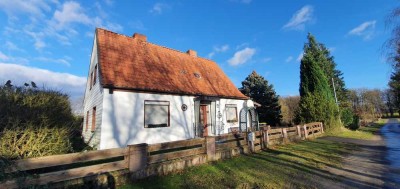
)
(132, 63)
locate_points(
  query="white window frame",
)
(231, 106)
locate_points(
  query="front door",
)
(204, 119)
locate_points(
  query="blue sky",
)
(49, 42)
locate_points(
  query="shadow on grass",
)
(300, 165)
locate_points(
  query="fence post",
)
(210, 148)
(322, 127)
(264, 137)
(298, 130)
(284, 133)
(250, 141)
(305, 131)
(137, 157)
(261, 139)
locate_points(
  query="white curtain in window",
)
(156, 113)
(231, 114)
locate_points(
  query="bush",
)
(36, 106)
(347, 116)
(315, 108)
(33, 141)
(356, 123)
(36, 122)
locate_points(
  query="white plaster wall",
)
(93, 98)
(123, 119)
(240, 104)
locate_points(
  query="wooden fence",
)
(143, 160)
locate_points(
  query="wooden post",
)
(305, 131)
(250, 141)
(138, 157)
(210, 148)
(263, 139)
(298, 130)
(322, 127)
(284, 133)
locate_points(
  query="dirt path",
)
(366, 167)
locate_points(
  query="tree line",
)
(323, 95)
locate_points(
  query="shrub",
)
(36, 122)
(356, 123)
(33, 141)
(347, 116)
(36, 106)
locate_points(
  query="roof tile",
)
(140, 65)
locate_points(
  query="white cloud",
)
(11, 46)
(52, 60)
(365, 30)
(3, 56)
(242, 45)
(219, 49)
(158, 8)
(288, 59)
(71, 12)
(19, 60)
(242, 56)
(298, 59)
(137, 24)
(211, 54)
(223, 48)
(38, 38)
(114, 27)
(33, 7)
(300, 18)
(18, 74)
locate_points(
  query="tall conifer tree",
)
(316, 98)
(258, 89)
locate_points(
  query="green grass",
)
(364, 133)
(293, 165)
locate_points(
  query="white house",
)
(140, 92)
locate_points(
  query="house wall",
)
(123, 118)
(93, 98)
(240, 105)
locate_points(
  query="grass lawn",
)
(298, 165)
(365, 133)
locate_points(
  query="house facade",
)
(139, 92)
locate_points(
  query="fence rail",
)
(144, 160)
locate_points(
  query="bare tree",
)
(367, 104)
(289, 108)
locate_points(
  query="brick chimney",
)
(139, 37)
(191, 53)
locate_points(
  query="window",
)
(87, 121)
(95, 75)
(156, 114)
(91, 80)
(94, 119)
(231, 113)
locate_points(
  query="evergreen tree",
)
(394, 87)
(316, 98)
(258, 89)
(332, 72)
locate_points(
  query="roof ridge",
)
(123, 35)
